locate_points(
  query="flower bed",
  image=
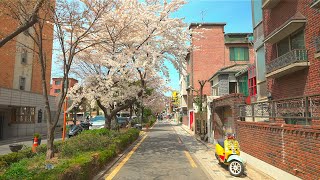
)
(81, 157)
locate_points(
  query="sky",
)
(236, 13)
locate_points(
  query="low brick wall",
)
(294, 149)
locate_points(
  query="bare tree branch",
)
(30, 22)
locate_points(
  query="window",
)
(23, 115)
(57, 82)
(294, 41)
(57, 91)
(22, 83)
(239, 54)
(188, 80)
(297, 41)
(252, 80)
(24, 56)
(232, 87)
(215, 91)
(243, 85)
(283, 47)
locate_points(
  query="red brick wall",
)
(295, 150)
(8, 53)
(304, 82)
(210, 55)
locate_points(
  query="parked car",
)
(123, 121)
(97, 122)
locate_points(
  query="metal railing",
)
(317, 44)
(299, 110)
(297, 55)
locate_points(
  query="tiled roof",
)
(231, 69)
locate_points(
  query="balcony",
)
(290, 26)
(269, 4)
(288, 63)
(317, 46)
(315, 4)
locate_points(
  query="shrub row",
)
(83, 163)
(7, 159)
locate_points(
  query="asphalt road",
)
(161, 155)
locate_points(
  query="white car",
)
(97, 122)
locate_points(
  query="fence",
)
(299, 110)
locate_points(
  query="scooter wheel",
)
(236, 168)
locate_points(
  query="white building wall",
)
(9, 98)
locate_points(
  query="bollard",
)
(35, 144)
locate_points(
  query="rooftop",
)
(231, 69)
(238, 38)
(207, 24)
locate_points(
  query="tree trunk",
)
(107, 120)
(50, 139)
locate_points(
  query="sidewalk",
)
(4, 144)
(204, 153)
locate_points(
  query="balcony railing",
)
(294, 56)
(317, 44)
(297, 110)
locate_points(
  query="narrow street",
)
(160, 156)
(168, 152)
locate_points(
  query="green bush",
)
(83, 143)
(101, 132)
(82, 164)
(8, 159)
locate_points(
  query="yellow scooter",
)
(228, 153)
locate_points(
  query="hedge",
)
(82, 164)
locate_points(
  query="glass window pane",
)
(283, 47)
(232, 54)
(261, 65)
(297, 41)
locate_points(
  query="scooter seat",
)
(221, 142)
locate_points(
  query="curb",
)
(108, 166)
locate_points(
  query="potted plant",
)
(38, 136)
(15, 147)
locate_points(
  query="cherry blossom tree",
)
(136, 39)
(73, 22)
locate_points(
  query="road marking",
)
(117, 169)
(179, 140)
(191, 161)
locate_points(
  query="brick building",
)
(56, 85)
(21, 100)
(286, 143)
(212, 50)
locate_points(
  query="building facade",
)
(291, 114)
(21, 100)
(212, 49)
(56, 85)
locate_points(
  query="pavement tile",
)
(205, 156)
